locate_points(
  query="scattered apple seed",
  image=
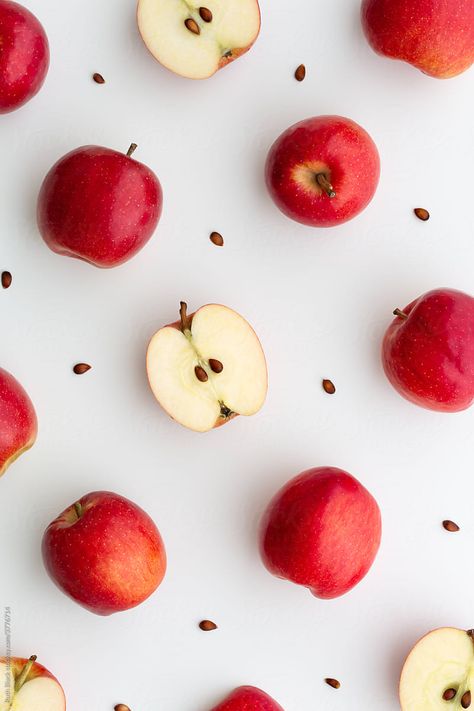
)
(121, 707)
(451, 526)
(217, 239)
(205, 14)
(81, 368)
(449, 694)
(421, 213)
(6, 280)
(207, 626)
(329, 387)
(334, 683)
(466, 700)
(324, 183)
(201, 374)
(215, 365)
(192, 26)
(300, 72)
(98, 78)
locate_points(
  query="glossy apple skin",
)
(321, 530)
(429, 357)
(436, 36)
(336, 146)
(109, 560)
(18, 422)
(248, 698)
(18, 664)
(99, 205)
(24, 56)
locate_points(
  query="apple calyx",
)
(400, 314)
(131, 150)
(25, 673)
(324, 183)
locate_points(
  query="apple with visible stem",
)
(323, 171)
(196, 41)
(207, 368)
(25, 685)
(18, 423)
(439, 672)
(321, 530)
(99, 205)
(105, 553)
(436, 36)
(24, 56)
(428, 351)
(248, 698)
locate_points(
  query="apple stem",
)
(78, 509)
(400, 314)
(24, 673)
(324, 183)
(185, 321)
(132, 149)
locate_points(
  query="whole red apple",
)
(323, 171)
(322, 530)
(18, 423)
(24, 56)
(99, 205)
(428, 351)
(248, 698)
(25, 685)
(104, 552)
(436, 36)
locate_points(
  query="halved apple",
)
(439, 672)
(207, 368)
(26, 685)
(195, 41)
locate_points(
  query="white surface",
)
(320, 300)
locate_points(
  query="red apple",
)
(323, 171)
(26, 685)
(24, 56)
(322, 530)
(428, 351)
(105, 552)
(18, 423)
(248, 698)
(99, 205)
(436, 36)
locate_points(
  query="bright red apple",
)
(323, 171)
(248, 698)
(24, 56)
(322, 530)
(18, 423)
(105, 552)
(428, 351)
(25, 685)
(99, 205)
(436, 36)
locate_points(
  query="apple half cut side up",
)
(26, 685)
(195, 41)
(207, 368)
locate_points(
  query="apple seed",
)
(217, 239)
(449, 694)
(205, 14)
(334, 683)
(98, 78)
(6, 280)
(329, 387)
(421, 213)
(207, 626)
(201, 374)
(324, 183)
(451, 526)
(215, 365)
(466, 700)
(121, 707)
(192, 26)
(300, 72)
(81, 368)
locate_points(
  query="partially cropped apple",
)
(436, 36)
(323, 171)
(248, 698)
(194, 40)
(26, 685)
(99, 205)
(321, 530)
(24, 56)
(428, 351)
(207, 368)
(438, 674)
(18, 423)
(105, 553)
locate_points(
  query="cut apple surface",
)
(439, 672)
(195, 41)
(207, 368)
(26, 685)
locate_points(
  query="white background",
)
(319, 300)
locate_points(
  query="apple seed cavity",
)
(324, 183)
(450, 526)
(6, 280)
(207, 626)
(334, 683)
(192, 26)
(205, 14)
(300, 72)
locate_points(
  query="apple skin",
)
(335, 146)
(248, 698)
(321, 530)
(110, 559)
(18, 422)
(99, 205)
(436, 36)
(17, 664)
(24, 56)
(429, 356)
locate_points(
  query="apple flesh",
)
(428, 351)
(321, 530)
(207, 368)
(99, 205)
(26, 685)
(196, 41)
(436, 37)
(323, 171)
(439, 672)
(248, 698)
(24, 56)
(105, 553)
(18, 423)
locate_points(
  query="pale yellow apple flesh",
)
(233, 29)
(213, 333)
(38, 693)
(439, 672)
